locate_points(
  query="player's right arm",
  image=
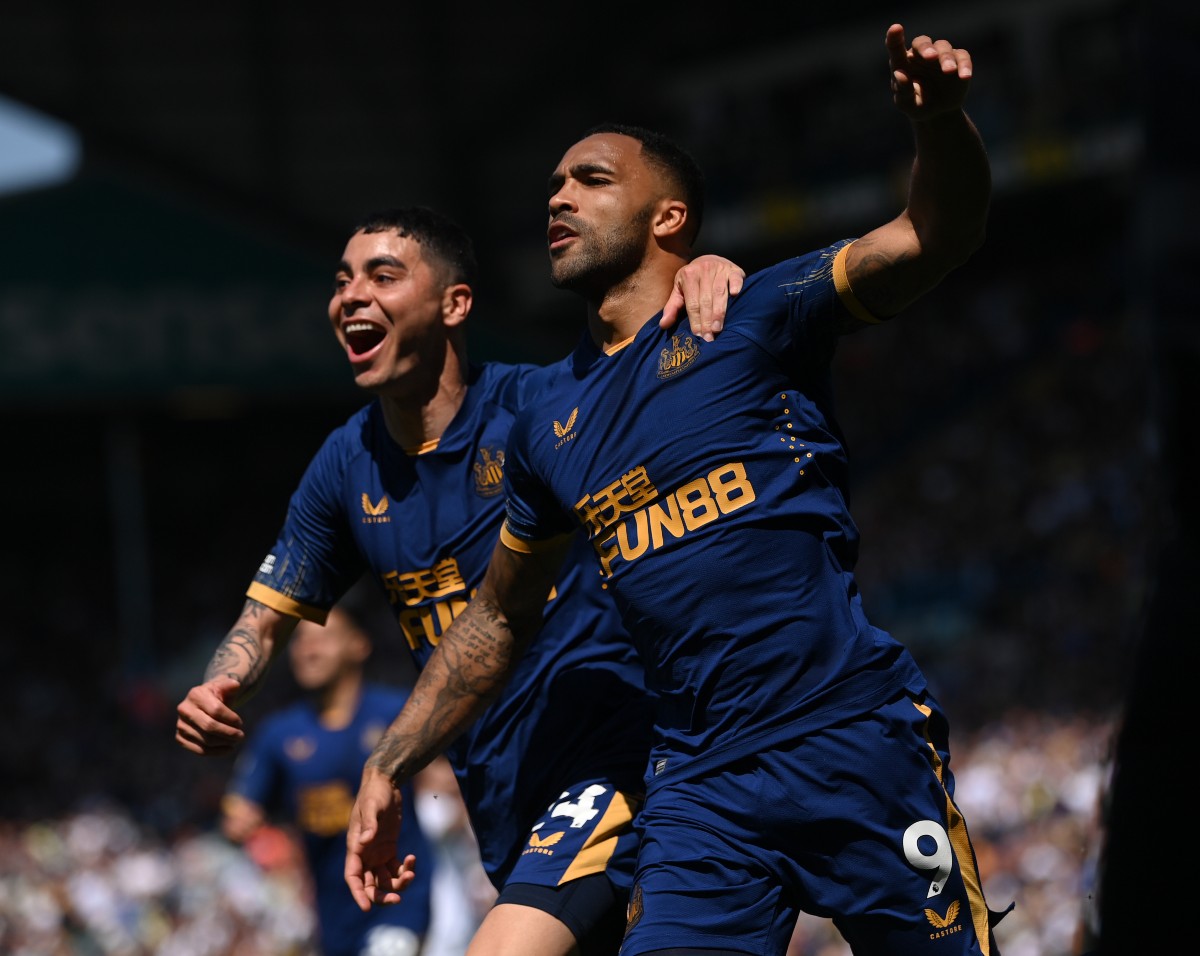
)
(207, 723)
(465, 673)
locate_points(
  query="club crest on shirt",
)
(375, 512)
(682, 353)
(489, 472)
(635, 908)
(566, 433)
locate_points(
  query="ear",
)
(670, 218)
(456, 304)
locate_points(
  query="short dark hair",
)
(670, 159)
(440, 236)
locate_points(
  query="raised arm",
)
(206, 721)
(949, 189)
(465, 673)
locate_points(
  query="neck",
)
(629, 304)
(416, 418)
(337, 703)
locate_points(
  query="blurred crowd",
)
(1006, 492)
(100, 881)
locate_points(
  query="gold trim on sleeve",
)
(841, 282)
(284, 604)
(521, 546)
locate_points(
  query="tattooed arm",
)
(466, 672)
(207, 723)
(949, 187)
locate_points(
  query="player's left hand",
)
(930, 77)
(703, 288)
(374, 872)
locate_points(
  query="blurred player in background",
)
(410, 489)
(302, 766)
(800, 762)
(462, 892)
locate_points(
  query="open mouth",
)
(362, 337)
(558, 234)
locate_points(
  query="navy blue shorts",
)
(857, 823)
(588, 829)
(577, 863)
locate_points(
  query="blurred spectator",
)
(302, 764)
(462, 892)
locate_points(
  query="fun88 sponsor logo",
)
(629, 518)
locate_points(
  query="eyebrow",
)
(372, 264)
(578, 171)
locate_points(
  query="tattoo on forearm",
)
(252, 609)
(240, 655)
(464, 675)
(484, 639)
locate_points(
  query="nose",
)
(353, 293)
(561, 201)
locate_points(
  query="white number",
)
(582, 810)
(940, 860)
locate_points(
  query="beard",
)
(599, 260)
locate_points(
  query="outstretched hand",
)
(374, 873)
(930, 77)
(703, 288)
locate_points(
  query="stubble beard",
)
(598, 262)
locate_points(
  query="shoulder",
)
(796, 275)
(354, 441)
(550, 413)
(353, 435)
(795, 300)
(553, 379)
(510, 385)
